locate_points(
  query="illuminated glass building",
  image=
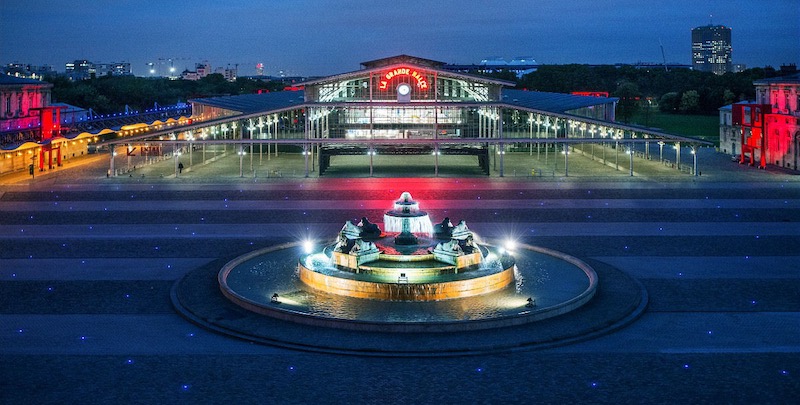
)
(711, 49)
(408, 106)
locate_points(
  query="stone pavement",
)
(86, 264)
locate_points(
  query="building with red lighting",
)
(765, 131)
(20, 100)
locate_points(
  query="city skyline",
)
(323, 37)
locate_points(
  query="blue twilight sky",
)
(320, 37)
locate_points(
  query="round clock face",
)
(403, 89)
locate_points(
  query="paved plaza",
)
(87, 263)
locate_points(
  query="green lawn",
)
(697, 126)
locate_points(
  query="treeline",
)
(110, 94)
(675, 91)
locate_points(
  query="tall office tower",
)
(711, 49)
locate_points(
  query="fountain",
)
(406, 263)
(408, 276)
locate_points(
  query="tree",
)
(728, 97)
(690, 102)
(669, 102)
(629, 95)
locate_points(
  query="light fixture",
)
(403, 89)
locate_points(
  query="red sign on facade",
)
(422, 82)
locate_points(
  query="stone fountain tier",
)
(406, 216)
(427, 280)
(407, 273)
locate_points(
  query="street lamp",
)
(241, 154)
(617, 136)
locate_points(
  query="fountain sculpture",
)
(407, 262)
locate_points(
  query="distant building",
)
(711, 49)
(113, 69)
(27, 71)
(767, 130)
(83, 69)
(229, 73)
(80, 69)
(520, 66)
(200, 71)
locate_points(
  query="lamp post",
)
(630, 153)
(241, 160)
(371, 153)
(617, 136)
(176, 153)
(694, 159)
(530, 126)
(546, 135)
(436, 154)
(604, 134)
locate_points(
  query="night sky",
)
(305, 37)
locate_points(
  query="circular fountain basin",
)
(557, 283)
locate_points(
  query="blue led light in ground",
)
(129, 361)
